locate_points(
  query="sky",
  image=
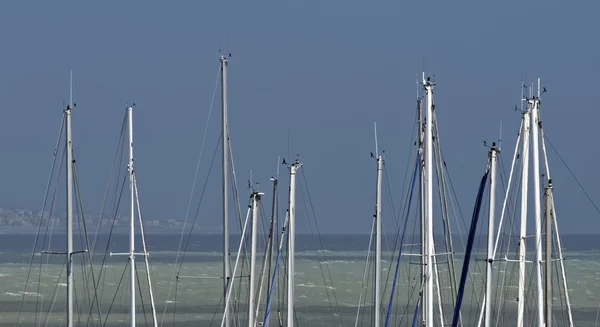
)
(305, 77)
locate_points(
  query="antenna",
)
(71, 88)
(523, 87)
(278, 161)
(500, 138)
(531, 90)
(417, 84)
(376, 146)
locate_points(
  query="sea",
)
(333, 282)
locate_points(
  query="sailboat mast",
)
(548, 261)
(378, 243)
(251, 312)
(429, 205)
(490, 245)
(421, 196)
(273, 224)
(559, 254)
(69, 173)
(523, 232)
(534, 101)
(292, 242)
(225, 173)
(132, 217)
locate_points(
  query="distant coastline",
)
(26, 221)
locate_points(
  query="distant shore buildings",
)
(27, 218)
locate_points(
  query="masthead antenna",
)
(417, 84)
(278, 161)
(71, 87)
(500, 138)
(523, 87)
(376, 145)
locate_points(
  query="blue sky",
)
(319, 71)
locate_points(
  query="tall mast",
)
(378, 236)
(490, 245)
(225, 172)
(255, 198)
(69, 174)
(523, 233)
(273, 225)
(559, 254)
(132, 217)
(534, 102)
(292, 242)
(548, 261)
(421, 196)
(429, 205)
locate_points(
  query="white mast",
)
(69, 174)
(225, 171)
(534, 101)
(421, 198)
(132, 216)
(251, 313)
(548, 292)
(523, 233)
(292, 242)
(559, 254)
(490, 249)
(134, 201)
(429, 204)
(378, 235)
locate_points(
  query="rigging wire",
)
(393, 288)
(467, 258)
(192, 192)
(116, 161)
(397, 218)
(275, 271)
(445, 174)
(314, 216)
(79, 205)
(397, 215)
(46, 192)
(198, 207)
(54, 293)
(117, 196)
(364, 279)
(573, 175)
(118, 158)
(47, 236)
(146, 254)
(116, 293)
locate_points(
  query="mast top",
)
(428, 81)
(296, 163)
